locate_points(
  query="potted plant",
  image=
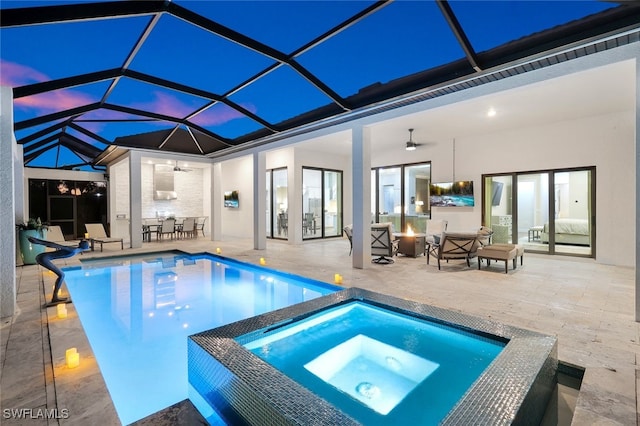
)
(32, 228)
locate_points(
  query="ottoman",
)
(518, 247)
(505, 252)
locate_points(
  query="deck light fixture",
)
(61, 310)
(72, 357)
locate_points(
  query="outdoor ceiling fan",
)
(411, 145)
(177, 168)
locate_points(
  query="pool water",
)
(379, 366)
(138, 311)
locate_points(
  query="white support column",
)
(361, 166)
(637, 188)
(135, 199)
(216, 202)
(259, 201)
(294, 200)
(9, 151)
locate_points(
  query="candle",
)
(86, 235)
(262, 261)
(337, 278)
(218, 250)
(72, 357)
(62, 310)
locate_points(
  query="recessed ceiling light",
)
(491, 112)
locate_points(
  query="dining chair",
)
(167, 227)
(188, 227)
(200, 225)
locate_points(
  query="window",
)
(68, 204)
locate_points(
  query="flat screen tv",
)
(496, 192)
(451, 194)
(231, 199)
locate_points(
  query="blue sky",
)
(401, 38)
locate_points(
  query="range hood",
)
(163, 182)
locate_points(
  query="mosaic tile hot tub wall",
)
(242, 388)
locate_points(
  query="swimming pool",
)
(138, 312)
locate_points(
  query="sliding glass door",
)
(390, 197)
(332, 224)
(533, 210)
(321, 203)
(498, 207)
(573, 209)
(311, 203)
(551, 211)
(400, 195)
(277, 203)
(416, 197)
(269, 204)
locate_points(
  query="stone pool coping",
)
(514, 388)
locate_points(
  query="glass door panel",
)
(572, 208)
(498, 208)
(332, 203)
(389, 200)
(374, 192)
(280, 203)
(533, 211)
(416, 197)
(555, 210)
(268, 205)
(311, 203)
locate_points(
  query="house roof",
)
(201, 77)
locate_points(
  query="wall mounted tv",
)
(231, 199)
(451, 194)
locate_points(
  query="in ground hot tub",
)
(360, 357)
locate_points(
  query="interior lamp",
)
(411, 145)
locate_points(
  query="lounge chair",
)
(435, 228)
(455, 245)
(383, 244)
(55, 235)
(97, 234)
